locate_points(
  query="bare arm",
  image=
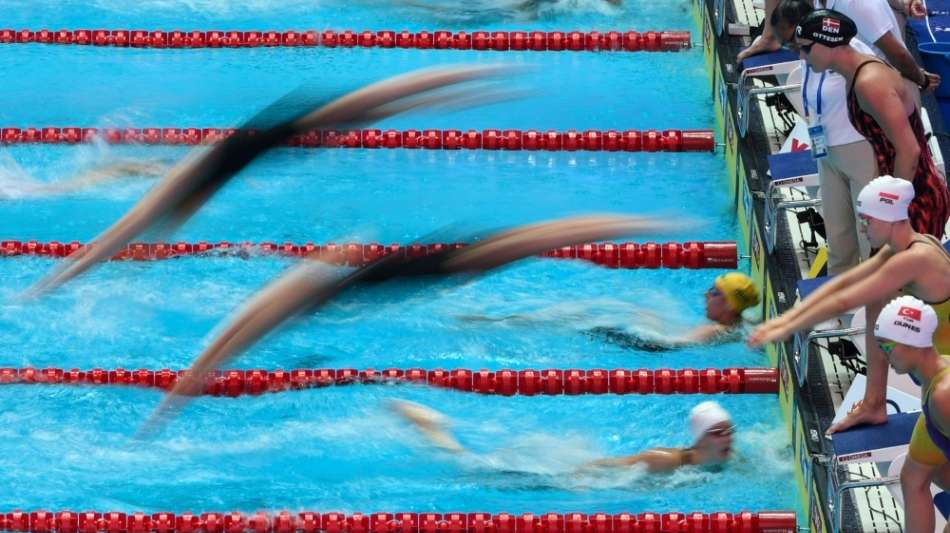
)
(839, 282)
(766, 42)
(882, 283)
(884, 103)
(873, 287)
(900, 58)
(705, 334)
(656, 460)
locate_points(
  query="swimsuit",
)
(929, 445)
(633, 341)
(931, 205)
(627, 340)
(942, 308)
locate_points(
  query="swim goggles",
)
(886, 346)
(722, 432)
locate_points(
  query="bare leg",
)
(942, 476)
(429, 422)
(918, 502)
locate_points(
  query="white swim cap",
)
(907, 320)
(886, 198)
(706, 415)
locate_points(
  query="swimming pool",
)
(339, 449)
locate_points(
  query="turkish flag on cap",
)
(909, 312)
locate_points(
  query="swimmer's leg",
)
(627, 340)
(429, 422)
(105, 173)
(483, 318)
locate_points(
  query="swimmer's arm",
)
(656, 460)
(940, 402)
(878, 280)
(705, 334)
(839, 283)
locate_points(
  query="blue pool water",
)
(339, 448)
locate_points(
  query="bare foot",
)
(429, 422)
(760, 45)
(418, 414)
(860, 414)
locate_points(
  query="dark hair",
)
(791, 12)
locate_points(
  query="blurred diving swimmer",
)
(308, 286)
(194, 180)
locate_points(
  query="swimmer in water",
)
(25, 187)
(307, 286)
(905, 333)
(711, 427)
(729, 296)
(194, 180)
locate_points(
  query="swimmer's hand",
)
(772, 331)
(861, 413)
(932, 80)
(915, 9)
(429, 422)
(761, 45)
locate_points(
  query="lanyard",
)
(821, 82)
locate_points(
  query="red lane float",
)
(505, 382)
(429, 139)
(691, 255)
(400, 522)
(499, 41)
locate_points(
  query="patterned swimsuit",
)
(931, 205)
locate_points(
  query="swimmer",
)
(904, 332)
(306, 287)
(907, 262)
(711, 426)
(729, 296)
(23, 186)
(193, 181)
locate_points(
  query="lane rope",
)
(691, 254)
(670, 140)
(313, 522)
(401, 522)
(499, 41)
(505, 382)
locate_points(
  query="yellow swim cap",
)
(739, 290)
